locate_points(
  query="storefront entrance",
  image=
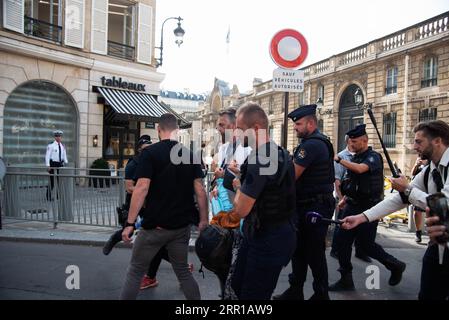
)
(120, 139)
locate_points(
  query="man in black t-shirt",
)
(168, 178)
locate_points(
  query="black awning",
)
(133, 105)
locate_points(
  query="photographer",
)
(431, 142)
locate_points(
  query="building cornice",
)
(39, 52)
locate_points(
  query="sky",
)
(330, 27)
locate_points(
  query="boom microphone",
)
(316, 218)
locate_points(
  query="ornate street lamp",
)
(319, 107)
(179, 33)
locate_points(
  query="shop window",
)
(32, 112)
(120, 139)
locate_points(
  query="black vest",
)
(368, 186)
(274, 205)
(317, 174)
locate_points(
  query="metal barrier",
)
(72, 197)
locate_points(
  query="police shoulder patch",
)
(302, 153)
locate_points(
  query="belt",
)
(361, 201)
(321, 197)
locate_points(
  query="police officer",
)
(431, 143)
(362, 188)
(314, 173)
(265, 197)
(55, 157)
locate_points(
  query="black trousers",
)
(311, 247)
(434, 276)
(358, 248)
(52, 178)
(366, 233)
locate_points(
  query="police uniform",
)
(268, 232)
(55, 157)
(435, 265)
(363, 191)
(314, 192)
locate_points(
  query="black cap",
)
(302, 112)
(357, 131)
(145, 139)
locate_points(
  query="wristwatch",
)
(408, 190)
(127, 224)
(338, 160)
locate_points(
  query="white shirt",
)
(53, 153)
(418, 194)
(240, 154)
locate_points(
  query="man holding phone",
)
(432, 143)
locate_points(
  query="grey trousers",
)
(145, 247)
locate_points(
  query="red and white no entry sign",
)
(288, 48)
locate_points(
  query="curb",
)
(92, 243)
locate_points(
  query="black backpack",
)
(214, 249)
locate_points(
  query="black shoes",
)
(418, 235)
(397, 268)
(292, 293)
(362, 256)
(344, 284)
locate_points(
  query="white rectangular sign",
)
(288, 80)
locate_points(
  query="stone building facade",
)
(404, 75)
(55, 56)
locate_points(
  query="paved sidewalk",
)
(65, 233)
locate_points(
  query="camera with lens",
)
(439, 206)
(122, 214)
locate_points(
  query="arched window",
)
(32, 112)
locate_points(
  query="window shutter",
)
(13, 12)
(74, 23)
(99, 33)
(145, 35)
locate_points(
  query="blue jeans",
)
(260, 260)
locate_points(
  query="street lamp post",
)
(179, 33)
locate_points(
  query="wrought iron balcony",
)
(428, 82)
(120, 50)
(391, 90)
(42, 29)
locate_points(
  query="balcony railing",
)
(390, 90)
(42, 29)
(428, 83)
(120, 50)
(436, 26)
